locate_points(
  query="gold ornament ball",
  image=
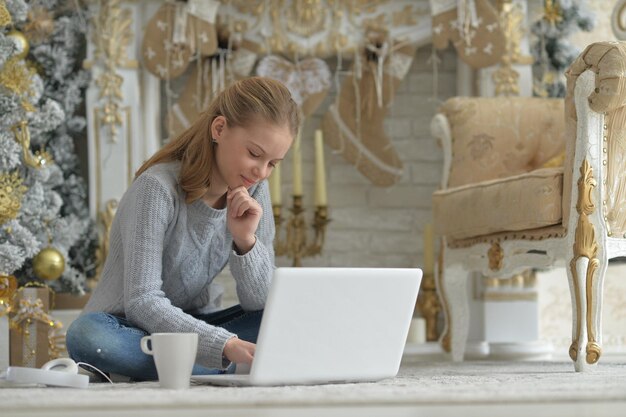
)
(49, 264)
(22, 43)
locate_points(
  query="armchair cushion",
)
(522, 202)
(499, 137)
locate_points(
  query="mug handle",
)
(144, 345)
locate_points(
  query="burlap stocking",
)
(192, 100)
(172, 37)
(207, 78)
(308, 80)
(353, 125)
(473, 28)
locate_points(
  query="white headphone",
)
(62, 372)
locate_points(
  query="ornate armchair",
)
(507, 204)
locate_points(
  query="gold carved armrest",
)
(607, 60)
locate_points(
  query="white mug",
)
(174, 355)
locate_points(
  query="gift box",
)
(30, 325)
(8, 287)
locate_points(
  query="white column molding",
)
(150, 91)
(123, 127)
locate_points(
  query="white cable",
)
(91, 366)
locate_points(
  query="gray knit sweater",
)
(164, 253)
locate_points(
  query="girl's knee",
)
(85, 326)
(84, 332)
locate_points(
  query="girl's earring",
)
(214, 141)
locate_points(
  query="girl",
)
(198, 203)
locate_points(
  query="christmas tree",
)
(552, 52)
(45, 230)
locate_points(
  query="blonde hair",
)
(241, 104)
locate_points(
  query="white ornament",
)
(162, 25)
(150, 53)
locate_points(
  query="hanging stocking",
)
(207, 78)
(473, 28)
(192, 100)
(201, 25)
(173, 37)
(353, 125)
(308, 80)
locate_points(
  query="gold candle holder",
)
(295, 244)
(429, 307)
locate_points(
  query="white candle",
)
(321, 198)
(275, 186)
(297, 167)
(429, 253)
(417, 331)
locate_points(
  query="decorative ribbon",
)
(434, 60)
(303, 79)
(5, 308)
(29, 310)
(179, 32)
(25, 322)
(22, 136)
(26, 314)
(381, 53)
(397, 64)
(218, 73)
(466, 12)
(467, 18)
(8, 287)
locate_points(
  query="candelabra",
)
(428, 305)
(295, 245)
(428, 301)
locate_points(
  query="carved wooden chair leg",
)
(452, 289)
(586, 278)
(586, 271)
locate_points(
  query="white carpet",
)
(495, 383)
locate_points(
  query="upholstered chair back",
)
(500, 137)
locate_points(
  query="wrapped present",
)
(30, 327)
(8, 287)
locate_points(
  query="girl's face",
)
(247, 155)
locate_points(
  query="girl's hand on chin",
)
(244, 214)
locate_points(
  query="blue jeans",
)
(111, 343)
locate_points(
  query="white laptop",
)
(331, 325)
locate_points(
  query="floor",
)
(423, 387)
